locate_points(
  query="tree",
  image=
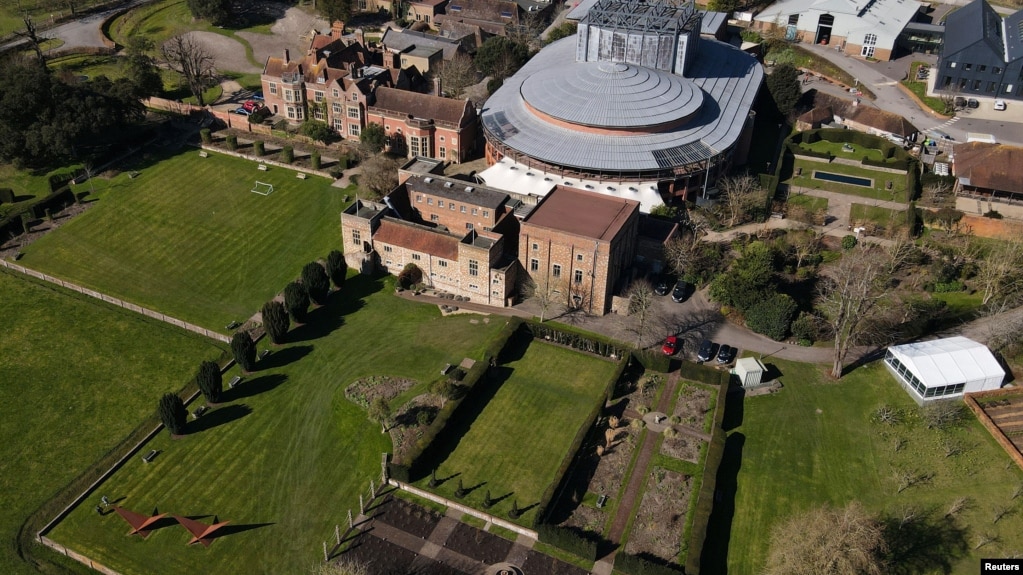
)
(748, 280)
(542, 291)
(275, 321)
(315, 130)
(380, 412)
(173, 413)
(410, 276)
(296, 301)
(1000, 272)
(741, 193)
(564, 30)
(244, 350)
(806, 246)
(851, 296)
(681, 254)
(140, 68)
(210, 381)
(844, 541)
(772, 316)
(337, 268)
(783, 84)
(216, 11)
(641, 302)
(379, 176)
(316, 282)
(188, 56)
(456, 74)
(500, 57)
(33, 38)
(372, 139)
(335, 10)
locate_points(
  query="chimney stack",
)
(437, 86)
(337, 30)
(287, 56)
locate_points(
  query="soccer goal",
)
(263, 189)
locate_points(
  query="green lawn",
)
(811, 203)
(517, 442)
(837, 149)
(11, 13)
(880, 216)
(920, 90)
(188, 238)
(286, 455)
(76, 376)
(877, 192)
(813, 443)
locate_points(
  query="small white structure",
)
(944, 368)
(750, 371)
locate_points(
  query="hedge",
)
(708, 486)
(653, 360)
(6, 195)
(590, 343)
(703, 373)
(636, 565)
(913, 179)
(54, 202)
(798, 150)
(572, 540)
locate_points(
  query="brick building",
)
(462, 236)
(425, 124)
(577, 245)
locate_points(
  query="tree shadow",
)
(282, 357)
(868, 357)
(234, 529)
(691, 327)
(218, 417)
(714, 555)
(255, 386)
(496, 500)
(411, 417)
(442, 480)
(927, 543)
(470, 489)
(320, 322)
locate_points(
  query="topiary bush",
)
(849, 242)
(206, 135)
(316, 282)
(314, 159)
(287, 154)
(232, 142)
(258, 148)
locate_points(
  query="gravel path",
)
(292, 31)
(228, 53)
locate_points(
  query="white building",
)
(944, 368)
(750, 371)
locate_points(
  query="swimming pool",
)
(843, 179)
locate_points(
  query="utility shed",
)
(944, 368)
(750, 371)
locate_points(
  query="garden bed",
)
(478, 544)
(693, 404)
(364, 391)
(659, 526)
(682, 446)
(406, 516)
(411, 421)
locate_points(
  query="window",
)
(951, 64)
(536, 246)
(419, 198)
(429, 201)
(442, 263)
(462, 209)
(291, 112)
(440, 203)
(443, 152)
(318, 113)
(793, 19)
(474, 211)
(996, 70)
(578, 257)
(434, 217)
(418, 146)
(967, 67)
(474, 268)
(354, 129)
(339, 125)
(1008, 88)
(417, 257)
(976, 84)
(486, 213)
(336, 108)
(354, 112)
(318, 95)
(578, 276)
(288, 96)
(468, 225)
(335, 93)
(474, 286)
(556, 271)
(355, 97)
(442, 138)
(356, 237)
(363, 5)
(534, 265)
(869, 41)
(451, 206)
(982, 68)
(387, 249)
(273, 87)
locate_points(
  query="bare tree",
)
(456, 74)
(340, 566)
(681, 253)
(952, 446)
(191, 58)
(906, 478)
(1001, 512)
(527, 31)
(33, 38)
(985, 538)
(958, 506)
(379, 175)
(542, 291)
(740, 194)
(938, 195)
(641, 302)
(844, 541)
(807, 244)
(1000, 271)
(851, 296)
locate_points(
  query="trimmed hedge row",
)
(704, 374)
(568, 539)
(6, 196)
(636, 565)
(402, 470)
(653, 360)
(604, 347)
(59, 200)
(708, 485)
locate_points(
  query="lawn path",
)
(639, 471)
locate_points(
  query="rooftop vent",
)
(548, 180)
(428, 180)
(588, 187)
(529, 174)
(469, 189)
(610, 188)
(448, 184)
(632, 189)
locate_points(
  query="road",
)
(82, 33)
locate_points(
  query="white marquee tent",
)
(944, 368)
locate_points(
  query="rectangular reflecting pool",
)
(843, 179)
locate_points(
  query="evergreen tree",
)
(783, 83)
(275, 321)
(244, 350)
(210, 381)
(296, 301)
(337, 268)
(316, 282)
(172, 413)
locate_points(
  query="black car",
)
(972, 103)
(662, 284)
(683, 291)
(706, 350)
(726, 354)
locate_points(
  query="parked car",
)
(960, 102)
(242, 111)
(726, 354)
(683, 291)
(258, 95)
(999, 105)
(670, 345)
(972, 103)
(251, 105)
(706, 350)
(662, 285)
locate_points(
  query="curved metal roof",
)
(728, 78)
(611, 94)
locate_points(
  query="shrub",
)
(494, 84)
(258, 148)
(314, 159)
(287, 154)
(244, 350)
(173, 413)
(572, 540)
(6, 196)
(411, 275)
(637, 565)
(804, 328)
(337, 268)
(232, 142)
(514, 513)
(275, 321)
(772, 316)
(296, 301)
(949, 287)
(316, 282)
(993, 214)
(848, 242)
(206, 135)
(210, 381)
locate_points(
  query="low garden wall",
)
(462, 508)
(260, 160)
(971, 402)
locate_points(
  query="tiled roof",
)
(417, 238)
(447, 110)
(402, 40)
(277, 67)
(504, 11)
(879, 119)
(990, 166)
(582, 213)
(458, 190)
(820, 114)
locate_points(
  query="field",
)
(811, 204)
(813, 443)
(878, 192)
(40, 10)
(76, 376)
(285, 456)
(513, 447)
(186, 237)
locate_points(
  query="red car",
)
(670, 345)
(251, 105)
